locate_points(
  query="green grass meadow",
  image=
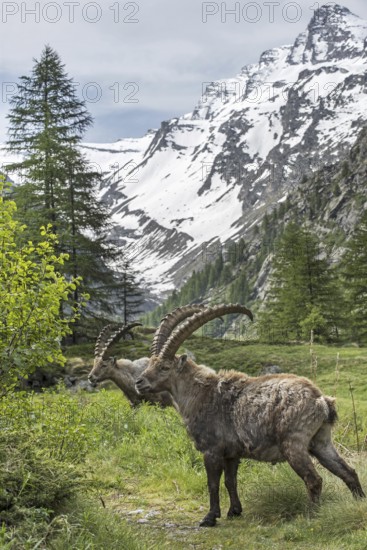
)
(85, 471)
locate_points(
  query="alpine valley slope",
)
(210, 175)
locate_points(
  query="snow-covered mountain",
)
(211, 174)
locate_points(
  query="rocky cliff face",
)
(210, 175)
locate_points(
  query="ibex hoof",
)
(234, 512)
(208, 521)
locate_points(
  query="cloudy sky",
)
(138, 63)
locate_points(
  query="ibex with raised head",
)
(272, 418)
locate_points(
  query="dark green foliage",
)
(231, 253)
(303, 293)
(345, 169)
(239, 290)
(354, 270)
(88, 525)
(265, 224)
(129, 294)
(226, 274)
(46, 123)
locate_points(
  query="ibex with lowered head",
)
(122, 372)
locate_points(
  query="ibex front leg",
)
(214, 469)
(230, 477)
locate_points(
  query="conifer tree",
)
(226, 274)
(302, 293)
(354, 270)
(239, 289)
(130, 294)
(46, 124)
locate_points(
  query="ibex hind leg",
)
(323, 449)
(300, 461)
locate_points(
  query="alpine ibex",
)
(272, 418)
(124, 372)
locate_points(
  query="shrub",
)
(41, 448)
(32, 292)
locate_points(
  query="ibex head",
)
(103, 365)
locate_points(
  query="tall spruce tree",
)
(130, 294)
(354, 271)
(46, 124)
(303, 292)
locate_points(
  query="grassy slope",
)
(148, 472)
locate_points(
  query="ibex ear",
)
(181, 362)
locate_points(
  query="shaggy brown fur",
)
(272, 418)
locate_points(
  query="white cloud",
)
(167, 53)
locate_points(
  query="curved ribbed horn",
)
(101, 339)
(169, 322)
(115, 335)
(196, 321)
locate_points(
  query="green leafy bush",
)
(31, 293)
